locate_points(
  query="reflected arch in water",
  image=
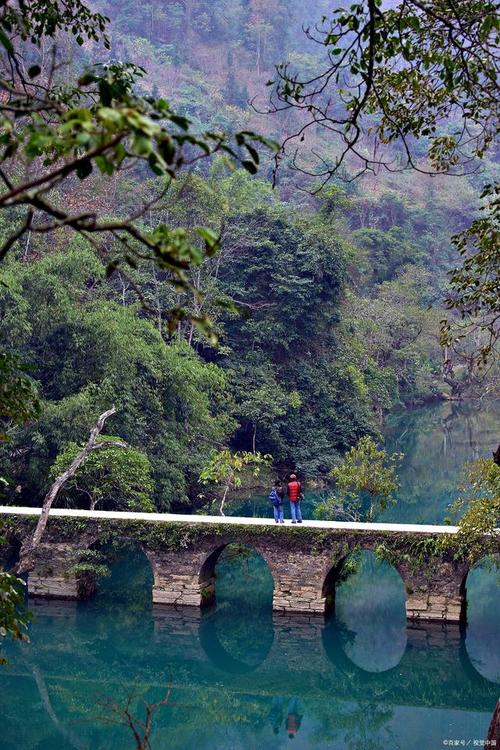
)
(367, 618)
(221, 635)
(482, 634)
(236, 629)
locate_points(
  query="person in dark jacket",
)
(276, 497)
(276, 714)
(295, 496)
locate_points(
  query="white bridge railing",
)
(8, 510)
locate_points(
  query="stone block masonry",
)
(435, 592)
(305, 561)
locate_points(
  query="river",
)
(436, 442)
(236, 677)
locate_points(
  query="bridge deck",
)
(222, 520)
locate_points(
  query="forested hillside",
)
(326, 306)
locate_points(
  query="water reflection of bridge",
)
(186, 649)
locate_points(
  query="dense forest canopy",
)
(322, 309)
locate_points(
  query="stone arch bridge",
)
(305, 560)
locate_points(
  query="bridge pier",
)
(176, 578)
(298, 584)
(435, 593)
(53, 577)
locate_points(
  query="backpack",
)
(274, 497)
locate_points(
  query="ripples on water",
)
(363, 680)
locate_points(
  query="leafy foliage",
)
(402, 75)
(110, 479)
(169, 401)
(225, 468)
(365, 472)
(414, 66)
(13, 615)
(476, 284)
(18, 393)
(478, 508)
(90, 564)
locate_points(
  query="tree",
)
(417, 71)
(171, 404)
(124, 715)
(401, 74)
(366, 473)
(393, 336)
(478, 510)
(475, 287)
(14, 617)
(55, 130)
(18, 394)
(226, 468)
(113, 479)
(29, 545)
(18, 402)
(288, 273)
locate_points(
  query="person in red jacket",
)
(294, 719)
(295, 496)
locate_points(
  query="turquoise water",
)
(232, 677)
(236, 676)
(436, 441)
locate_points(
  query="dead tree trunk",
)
(494, 728)
(26, 562)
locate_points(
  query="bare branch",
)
(27, 554)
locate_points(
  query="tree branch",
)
(27, 555)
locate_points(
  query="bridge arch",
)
(366, 599)
(237, 577)
(350, 668)
(207, 574)
(343, 567)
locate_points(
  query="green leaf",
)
(104, 165)
(166, 148)
(4, 39)
(211, 240)
(182, 122)
(105, 92)
(253, 152)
